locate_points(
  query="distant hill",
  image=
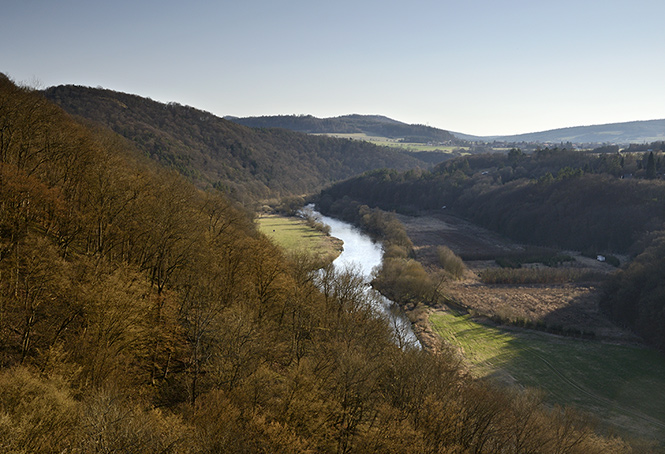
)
(616, 133)
(249, 164)
(373, 125)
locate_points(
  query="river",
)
(363, 255)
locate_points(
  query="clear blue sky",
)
(474, 66)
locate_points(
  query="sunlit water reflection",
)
(362, 255)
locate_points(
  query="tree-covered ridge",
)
(372, 125)
(301, 123)
(246, 163)
(140, 314)
(558, 198)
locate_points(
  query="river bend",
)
(363, 255)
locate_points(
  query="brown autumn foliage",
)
(450, 262)
(139, 314)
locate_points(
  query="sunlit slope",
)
(620, 384)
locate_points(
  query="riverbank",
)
(514, 357)
(348, 248)
(294, 235)
(363, 256)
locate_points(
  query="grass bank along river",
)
(293, 234)
(355, 252)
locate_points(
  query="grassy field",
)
(385, 141)
(623, 385)
(294, 235)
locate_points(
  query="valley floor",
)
(611, 376)
(573, 306)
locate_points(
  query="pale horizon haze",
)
(478, 67)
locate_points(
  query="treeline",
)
(301, 123)
(372, 125)
(556, 198)
(595, 203)
(522, 276)
(247, 164)
(577, 211)
(139, 314)
(635, 298)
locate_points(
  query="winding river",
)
(363, 255)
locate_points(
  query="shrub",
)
(36, 415)
(547, 257)
(520, 276)
(404, 280)
(450, 262)
(612, 260)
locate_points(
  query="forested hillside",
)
(246, 163)
(554, 197)
(141, 314)
(591, 202)
(372, 125)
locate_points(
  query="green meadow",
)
(622, 385)
(294, 235)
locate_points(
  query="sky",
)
(483, 67)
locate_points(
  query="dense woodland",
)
(141, 314)
(592, 202)
(247, 164)
(635, 298)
